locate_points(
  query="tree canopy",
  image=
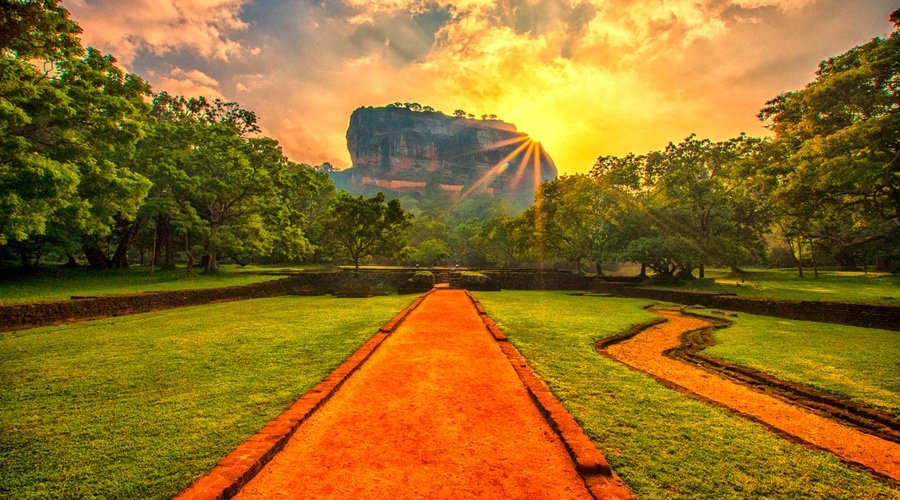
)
(361, 227)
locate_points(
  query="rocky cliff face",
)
(396, 149)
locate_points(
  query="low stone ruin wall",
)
(339, 282)
(873, 316)
(537, 280)
(18, 316)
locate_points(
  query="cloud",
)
(585, 77)
(190, 83)
(160, 26)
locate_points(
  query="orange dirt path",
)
(436, 412)
(645, 352)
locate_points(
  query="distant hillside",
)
(419, 152)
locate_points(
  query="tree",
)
(222, 187)
(360, 228)
(578, 218)
(297, 209)
(841, 135)
(69, 122)
(693, 203)
(459, 113)
(430, 252)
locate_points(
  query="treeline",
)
(418, 108)
(93, 164)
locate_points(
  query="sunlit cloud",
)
(125, 27)
(191, 83)
(584, 77)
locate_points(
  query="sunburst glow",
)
(499, 167)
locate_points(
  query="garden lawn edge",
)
(234, 471)
(590, 463)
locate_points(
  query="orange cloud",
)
(160, 26)
(584, 77)
(191, 83)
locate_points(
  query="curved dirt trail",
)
(645, 353)
(436, 412)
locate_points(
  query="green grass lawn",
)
(140, 406)
(60, 284)
(663, 443)
(838, 286)
(862, 364)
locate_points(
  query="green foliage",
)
(141, 406)
(87, 167)
(576, 218)
(430, 253)
(694, 203)
(359, 228)
(663, 443)
(839, 174)
(69, 119)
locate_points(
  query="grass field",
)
(663, 443)
(862, 364)
(839, 286)
(140, 406)
(60, 284)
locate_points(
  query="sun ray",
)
(507, 142)
(538, 232)
(523, 166)
(496, 169)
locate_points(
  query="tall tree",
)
(842, 137)
(578, 218)
(68, 123)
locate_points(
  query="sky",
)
(583, 77)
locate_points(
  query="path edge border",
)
(243, 463)
(590, 463)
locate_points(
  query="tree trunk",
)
(169, 262)
(812, 257)
(94, 255)
(120, 257)
(190, 255)
(25, 257)
(702, 271)
(163, 242)
(212, 265)
(71, 263)
(599, 270)
(643, 270)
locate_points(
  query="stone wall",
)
(873, 316)
(18, 316)
(537, 280)
(338, 282)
